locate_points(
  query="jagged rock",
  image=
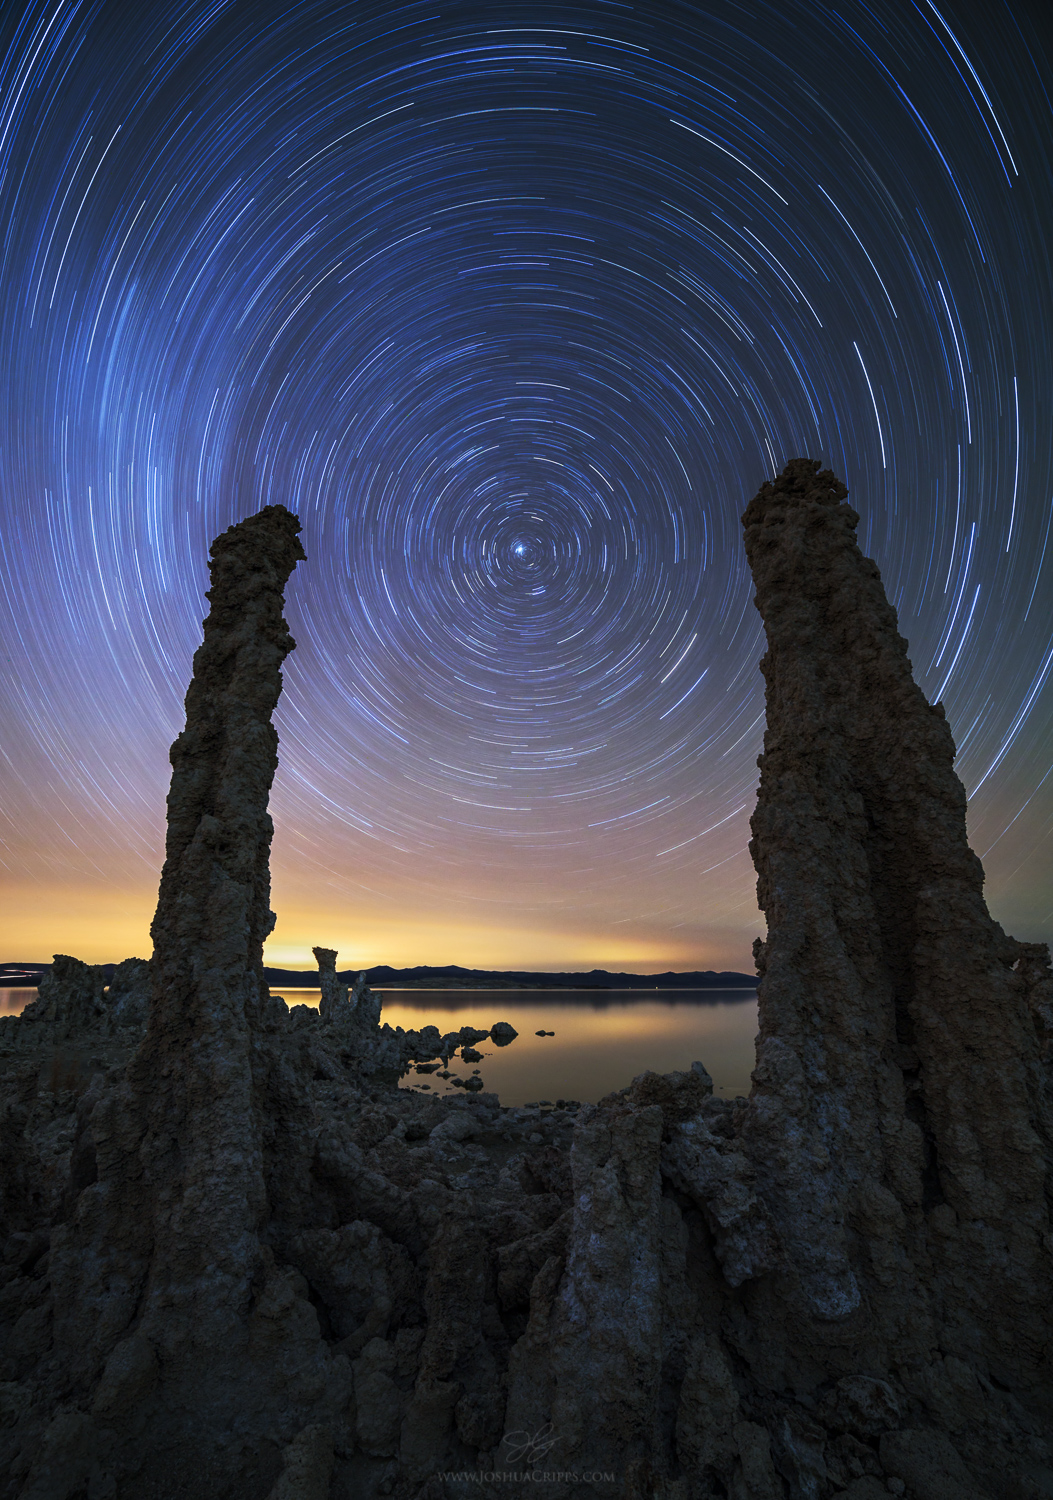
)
(603, 1323)
(239, 1260)
(357, 1008)
(64, 1458)
(707, 1409)
(361, 1277)
(480, 1420)
(679, 1095)
(69, 999)
(75, 1003)
(862, 1405)
(455, 1128)
(1033, 966)
(520, 1262)
(718, 1175)
(334, 994)
(379, 1401)
(929, 1463)
(349, 1019)
(190, 1087)
(128, 993)
(472, 1034)
(865, 1488)
(308, 1463)
(901, 1109)
(755, 1466)
(129, 1375)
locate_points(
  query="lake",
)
(603, 1038)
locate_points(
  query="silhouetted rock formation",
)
(77, 1002)
(240, 1262)
(901, 1121)
(175, 1216)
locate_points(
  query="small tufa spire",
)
(334, 994)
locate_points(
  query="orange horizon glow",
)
(104, 924)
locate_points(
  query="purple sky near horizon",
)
(516, 306)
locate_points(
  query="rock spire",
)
(213, 915)
(213, 910)
(157, 1268)
(900, 1123)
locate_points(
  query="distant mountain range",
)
(453, 977)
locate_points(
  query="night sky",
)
(516, 306)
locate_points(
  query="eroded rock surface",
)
(239, 1261)
(900, 1126)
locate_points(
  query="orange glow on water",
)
(599, 1045)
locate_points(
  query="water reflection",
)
(600, 1042)
(14, 1001)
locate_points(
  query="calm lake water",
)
(13, 1002)
(602, 1038)
(600, 1042)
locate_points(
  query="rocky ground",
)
(461, 1288)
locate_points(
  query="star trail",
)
(515, 306)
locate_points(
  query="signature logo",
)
(529, 1446)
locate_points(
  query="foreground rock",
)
(240, 1261)
(901, 1124)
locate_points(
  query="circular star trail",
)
(515, 306)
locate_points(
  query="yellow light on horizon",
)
(96, 923)
(101, 923)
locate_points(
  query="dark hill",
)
(453, 976)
